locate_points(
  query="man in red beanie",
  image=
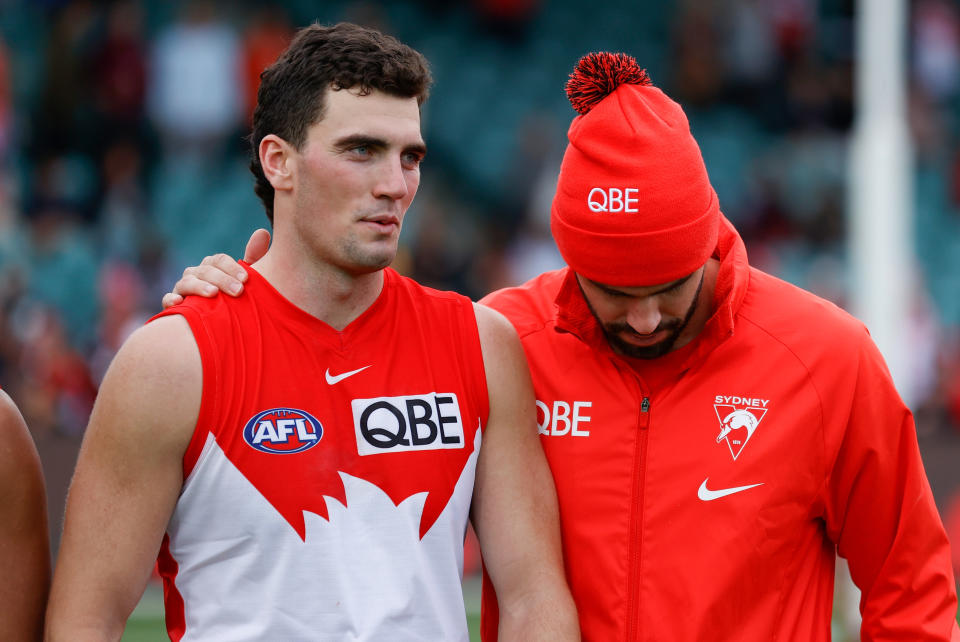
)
(716, 435)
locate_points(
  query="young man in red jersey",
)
(24, 541)
(716, 436)
(306, 457)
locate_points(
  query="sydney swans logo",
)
(739, 418)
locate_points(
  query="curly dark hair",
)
(321, 57)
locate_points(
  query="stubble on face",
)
(357, 250)
(616, 330)
(342, 193)
(366, 258)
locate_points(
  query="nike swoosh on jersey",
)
(332, 379)
(708, 495)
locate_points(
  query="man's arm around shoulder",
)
(514, 508)
(128, 477)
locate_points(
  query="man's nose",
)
(392, 183)
(644, 315)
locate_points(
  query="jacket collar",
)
(574, 316)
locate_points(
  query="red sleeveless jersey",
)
(328, 481)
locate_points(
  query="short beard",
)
(614, 330)
(364, 260)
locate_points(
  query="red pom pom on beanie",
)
(634, 205)
(597, 75)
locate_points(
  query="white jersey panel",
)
(245, 574)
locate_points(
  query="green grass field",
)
(146, 623)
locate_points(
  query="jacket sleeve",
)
(880, 512)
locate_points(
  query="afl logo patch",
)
(282, 431)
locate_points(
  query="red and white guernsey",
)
(328, 481)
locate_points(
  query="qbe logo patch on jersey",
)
(282, 431)
(416, 422)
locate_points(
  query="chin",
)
(361, 259)
(645, 352)
(651, 351)
(371, 263)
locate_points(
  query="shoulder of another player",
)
(11, 421)
(19, 462)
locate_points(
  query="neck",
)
(317, 287)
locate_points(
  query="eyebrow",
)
(356, 140)
(615, 292)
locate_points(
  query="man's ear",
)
(276, 159)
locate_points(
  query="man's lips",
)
(383, 221)
(643, 340)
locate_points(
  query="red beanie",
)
(633, 205)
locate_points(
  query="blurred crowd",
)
(123, 158)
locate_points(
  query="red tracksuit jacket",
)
(704, 495)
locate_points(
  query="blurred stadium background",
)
(122, 161)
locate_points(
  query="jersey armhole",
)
(208, 361)
(477, 370)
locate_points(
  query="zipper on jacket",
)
(633, 576)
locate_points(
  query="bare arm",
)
(24, 542)
(218, 273)
(127, 481)
(514, 508)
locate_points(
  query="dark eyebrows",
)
(363, 140)
(358, 140)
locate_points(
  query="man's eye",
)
(412, 160)
(360, 150)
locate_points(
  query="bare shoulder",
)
(154, 385)
(496, 332)
(503, 356)
(13, 430)
(143, 419)
(19, 462)
(504, 362)
(163, 352)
